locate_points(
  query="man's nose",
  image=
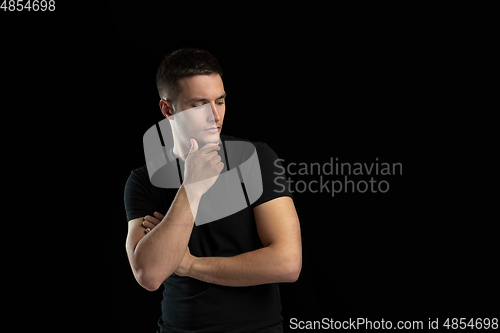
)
(215, 112)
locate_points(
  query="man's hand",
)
(150, 222)
(202, 168)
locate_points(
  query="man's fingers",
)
(148, 224)
(158, 216)
(211, 154)
(215, 157)
(209, 147)
(152, 221)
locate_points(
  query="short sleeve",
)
(273, 175)
(137, 197)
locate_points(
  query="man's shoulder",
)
(141, 171)
(266, 155)
(138, 176)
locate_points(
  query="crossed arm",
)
(280, 260)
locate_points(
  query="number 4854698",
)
(35, 5)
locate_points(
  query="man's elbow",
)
(147, 281)
(292, 269)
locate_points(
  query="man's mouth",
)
(213, 129)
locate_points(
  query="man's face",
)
(197, 90)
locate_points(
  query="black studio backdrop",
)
(313, 90)
(315, 84)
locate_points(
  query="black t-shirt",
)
(190, 305)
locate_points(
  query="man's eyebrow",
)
(203, 99)
(197, 99)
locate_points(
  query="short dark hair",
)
(182, 63)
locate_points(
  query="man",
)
(220, 276)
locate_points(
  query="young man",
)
(220, 276)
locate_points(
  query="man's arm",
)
(156, 255)
(280, 260)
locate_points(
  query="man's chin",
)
(210, 138)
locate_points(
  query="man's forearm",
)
(266, 265)
(159, 253)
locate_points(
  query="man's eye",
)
(220, 103)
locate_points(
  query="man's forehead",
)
(201, 87)
(201, 81)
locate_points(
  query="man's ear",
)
(167, 108)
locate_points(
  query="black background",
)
(312, 83)
(312, 86)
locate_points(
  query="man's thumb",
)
(194, 145)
